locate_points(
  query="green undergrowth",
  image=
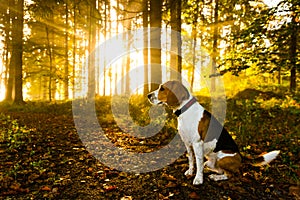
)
(267, 121)
(12, 133)
(38, 107)
(259, 121)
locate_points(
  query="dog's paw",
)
(198, 180)
(218, 177)
(189, 172)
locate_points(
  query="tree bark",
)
(128, 63)
(194, 36)
(17, 50)
(175, 55)
(155, 40)
(215, 46)
(66, 72)
(293, 53)
(50, 53)
(74, 51)
(10, 72)
(105, 36)
(146, 50)
(92, 44)
(117, 33)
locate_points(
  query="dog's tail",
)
(263, 159)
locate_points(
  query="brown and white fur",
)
(194, 124)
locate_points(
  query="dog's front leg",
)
(198, 150)
(190, 171)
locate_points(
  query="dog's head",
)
(171, 93)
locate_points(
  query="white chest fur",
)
(188, 123)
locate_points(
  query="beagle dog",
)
(194, 125)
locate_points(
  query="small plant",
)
(12, 133)
(14, 170)
(38, 165)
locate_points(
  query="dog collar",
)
(185, 107)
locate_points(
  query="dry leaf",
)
(127, 198)
(171, 185)
(45, 188)
(194, 195)
(295, 191)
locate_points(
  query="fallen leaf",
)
(126, 198)
(194, 195)
(160, 196)
(110, 188)
(45, 188)
(169, 177)
(90, 170)
(15, 186)
(8, 163)
(171, 185)
(295, 191)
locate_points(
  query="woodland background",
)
(45, 45)
(49, 56)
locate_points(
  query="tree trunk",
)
(193, 62)
(155, 40)
(145, 50)
(105, 36)
(215, 47)
(74, 51)
(175, 55)
(98, 59)
(10, 84)
(279, 75)
(293, 54)
(194, 36)
(17, 50)
(128, 63)
(9, 74)
(92, 44)
(66, 72)
(117, 33)
(50, 50)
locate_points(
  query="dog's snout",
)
(150, 95)
(153, 98)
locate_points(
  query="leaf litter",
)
(54, 164)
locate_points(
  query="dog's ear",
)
(177, 93)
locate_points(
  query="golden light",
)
(2, 72)
(271, 3)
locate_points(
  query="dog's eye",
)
(161, 88)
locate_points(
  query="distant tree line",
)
(45, 43)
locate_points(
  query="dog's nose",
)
(149, 95)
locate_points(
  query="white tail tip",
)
(268, 157)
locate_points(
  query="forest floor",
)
(43, 157)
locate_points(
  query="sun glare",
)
(2, 92)
(271, 3)
(2, 71)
